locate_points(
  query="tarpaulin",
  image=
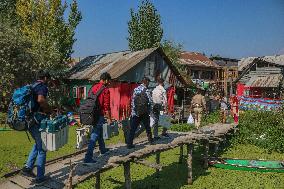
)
(170, 96)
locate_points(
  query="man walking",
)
(41, 110)
(141, 106)
(104, 106)
(160, 104)
(198, 105)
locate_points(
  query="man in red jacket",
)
(104, 104)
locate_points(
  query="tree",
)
(52, 38)
(172, 50)
(145, 27)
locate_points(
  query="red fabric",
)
(170, 96)
(115, 100)
(126, 92)
(240, 89)
(104, 97)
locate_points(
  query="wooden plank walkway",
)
(59, 171)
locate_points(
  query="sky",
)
(229, 28)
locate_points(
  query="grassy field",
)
(14, 148)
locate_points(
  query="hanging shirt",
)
(159, 95)
(136, 91)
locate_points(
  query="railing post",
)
(181, 154)
(189, 163)
(127, 176)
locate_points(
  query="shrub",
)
(3, 117)
(183, 127)
(263, 129)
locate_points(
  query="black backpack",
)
(141, 102)
(90, 109)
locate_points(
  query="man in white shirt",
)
(159, 97)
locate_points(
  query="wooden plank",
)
(9, 185)
(189, 163)
(22, 181)
(127, 175)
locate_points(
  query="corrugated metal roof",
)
(115, 64)
(196, 59)
(277, 59)
(271, 80)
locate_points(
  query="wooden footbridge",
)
(69, 170)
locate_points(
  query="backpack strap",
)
(99, 91)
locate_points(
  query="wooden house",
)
(227, 74)
(126, 69)
(261, 77)
(201, 69)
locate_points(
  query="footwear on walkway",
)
(27, 172)
(130, 146)
(106, 151)
(41, 181)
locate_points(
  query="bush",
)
(263, 129)
(3, 117)
(183, 127)
(213, 117)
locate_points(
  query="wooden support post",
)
(69, 183)
(127, 176)
(206, 148)
(98, 181)
(216, 148)
(189, 163)
(181, 154)
(158, 162)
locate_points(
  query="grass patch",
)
(174, 175)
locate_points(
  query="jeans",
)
(134, 122)
(37, 152)
(96, 135)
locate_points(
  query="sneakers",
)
(28, 172)
(41, 181)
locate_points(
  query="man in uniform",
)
(198, 105)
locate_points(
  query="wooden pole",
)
(158, 162)
(206, 146)
(189, 163)
(180, 154)
(69, 183)
(98, 181)
(127, 176)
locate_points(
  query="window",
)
(74, 92)
(82, 93)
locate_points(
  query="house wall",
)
(152, 67)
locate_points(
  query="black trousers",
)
(134, 123)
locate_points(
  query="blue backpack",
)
(20, 112)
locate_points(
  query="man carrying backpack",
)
(141, 106)
(103, 100)
(41, 110)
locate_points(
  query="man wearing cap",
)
(198, 105)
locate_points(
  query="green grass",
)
(174, 175)
(14, 149)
